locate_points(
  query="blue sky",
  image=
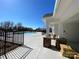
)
(27, 12)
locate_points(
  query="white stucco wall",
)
(71, 31)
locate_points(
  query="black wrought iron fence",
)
(10, 38)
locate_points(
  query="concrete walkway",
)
(35, 41)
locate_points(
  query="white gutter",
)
(57, 2)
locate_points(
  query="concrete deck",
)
(35, 41)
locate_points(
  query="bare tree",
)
(19, 26)
(6, 24)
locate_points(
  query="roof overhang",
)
(64, 10)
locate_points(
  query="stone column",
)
(53, 32)
(47, 30)
(60, 30)
(56, 29)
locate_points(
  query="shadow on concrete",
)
(19, 53)
(53, 48)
